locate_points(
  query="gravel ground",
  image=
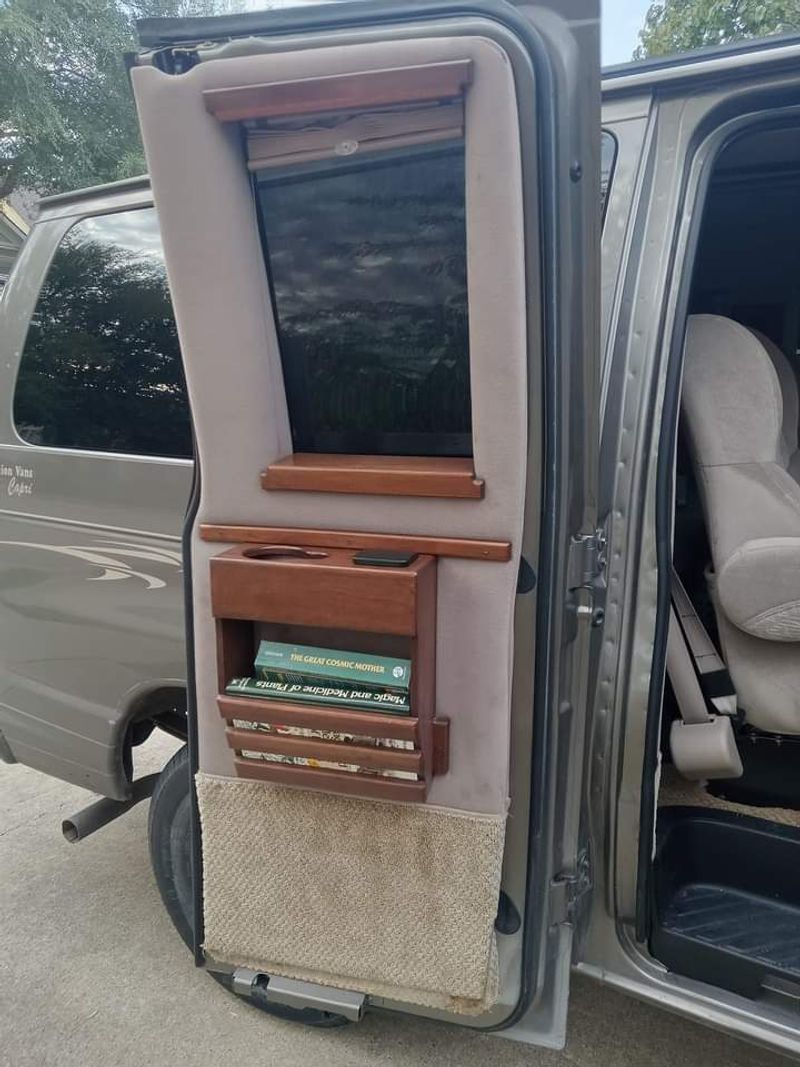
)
(93, 974)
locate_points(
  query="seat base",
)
(770, 778)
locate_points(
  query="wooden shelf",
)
(339, 720)
(318, 717)
(447, 477)
(372, 757)
(340, 92)
(359, 785)
(324, 589)
(450, 547)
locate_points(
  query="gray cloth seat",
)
(787, 379)
(740, 403)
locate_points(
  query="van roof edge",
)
(141, 181)
(685, 64)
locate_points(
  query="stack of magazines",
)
(331, 678)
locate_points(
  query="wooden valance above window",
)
(341, 92)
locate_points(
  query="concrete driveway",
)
(92, 973)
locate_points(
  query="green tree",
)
(67, 117)
(680, 25)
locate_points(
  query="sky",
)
(622, 20)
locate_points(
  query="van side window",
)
(608, 155)
(368, 266)
(101, 368)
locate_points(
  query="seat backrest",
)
(740, 405)
(732, 399)
(735, 412)
(787, 380)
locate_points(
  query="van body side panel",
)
(88, 612)
(91, 611)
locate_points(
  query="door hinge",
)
(569, 890)
(586, 568)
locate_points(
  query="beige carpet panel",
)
(676, 790)
(390, 899)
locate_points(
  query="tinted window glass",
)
(101, 368)
(368, 268)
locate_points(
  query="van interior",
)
(724, 900)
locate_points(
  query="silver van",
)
(480, 376)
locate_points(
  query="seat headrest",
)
(732, 398)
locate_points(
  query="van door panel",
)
(378, 872)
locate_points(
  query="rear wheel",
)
(170, 833)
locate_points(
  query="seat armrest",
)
(758, 588)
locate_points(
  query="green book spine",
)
(301, 663)
(327, 695)
(369, 692)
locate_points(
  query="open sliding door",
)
(380, 226)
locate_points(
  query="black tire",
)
(169, 828)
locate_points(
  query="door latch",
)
(586, 568)
(569, 891)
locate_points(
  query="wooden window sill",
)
(422, 476)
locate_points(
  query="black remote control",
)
(383, 557)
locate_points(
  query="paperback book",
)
(306, 664)
(312, 734)
(329, 765)
(392, 702)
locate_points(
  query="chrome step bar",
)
(290, 993)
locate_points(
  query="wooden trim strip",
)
(359, 785)
(379, 759)
(440, 757)
(451, 547)
(316, 717)
(448, 477)
(340, 92)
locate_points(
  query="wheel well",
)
(164, 707)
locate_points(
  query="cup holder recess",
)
(283, 552)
